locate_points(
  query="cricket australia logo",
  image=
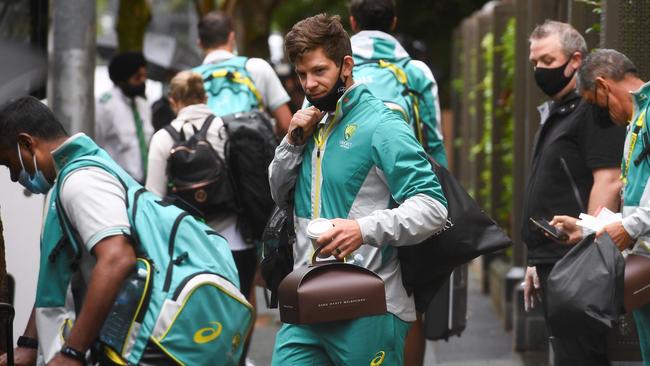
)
(347, 135)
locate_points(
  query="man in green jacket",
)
(610, 80)
(358, 164)
(379, 62)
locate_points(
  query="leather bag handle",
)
(314, 257)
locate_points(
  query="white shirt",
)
(95, 202)
(263, 75)
(159, 151)
(115, 129)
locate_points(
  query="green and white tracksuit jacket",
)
(362, 162)
(636, 193)
(636, 198)
(374, 46)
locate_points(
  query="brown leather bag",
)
(637, 281)
(328, 291)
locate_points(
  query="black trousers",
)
(587, 349)
(246, 262)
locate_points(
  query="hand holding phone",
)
(549, 229)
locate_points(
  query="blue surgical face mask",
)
(36, 184)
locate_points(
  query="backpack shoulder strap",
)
(643, 131)
(397, 71)
(90, 161)
(402, 78)
(203, 132)
(66, 227)
(574, 187)
(176, 136)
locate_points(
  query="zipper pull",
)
(181, 258)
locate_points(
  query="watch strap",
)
(73, 353)
(27, 342)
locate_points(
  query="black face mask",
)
(133, 91)
(327, 103)
(552, 81)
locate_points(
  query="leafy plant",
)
(485, 87)
(597, 9)
(505, 113)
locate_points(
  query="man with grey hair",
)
(574, 169)
(609, 80)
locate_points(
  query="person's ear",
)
(26, 141)
(576, 60)
(354, 25)
(393, 25)
(347, 65)
(602, 84)
(232, 40)
(173, 105)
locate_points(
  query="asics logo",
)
(378, 359)
(208, 334)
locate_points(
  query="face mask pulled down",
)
(552, 81)
(327, 103)
(36, 184)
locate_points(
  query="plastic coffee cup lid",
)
(317, 227)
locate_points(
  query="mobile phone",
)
(549, 229)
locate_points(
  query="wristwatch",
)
(70, 352)
(27, 342)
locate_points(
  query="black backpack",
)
(199, 181)
(277, 250)
(249, 151)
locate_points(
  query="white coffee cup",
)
(316, 228)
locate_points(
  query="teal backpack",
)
(389, 82)
(183, 299)
(229, 87)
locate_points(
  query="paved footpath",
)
(484, 342)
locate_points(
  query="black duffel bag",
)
(468, 233)
(584, 290)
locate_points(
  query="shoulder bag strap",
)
(574, 187)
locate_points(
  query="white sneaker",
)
(249, 362)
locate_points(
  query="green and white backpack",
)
(229, 87)
(183, 298)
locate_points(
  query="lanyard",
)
(323, 134)
(638, 125)
(319, 139)
(142, 141)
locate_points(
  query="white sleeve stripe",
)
(105, 233)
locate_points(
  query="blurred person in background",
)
(187, 99)
(217, 40)
(123, 116)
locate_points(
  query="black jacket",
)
(572, 134)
